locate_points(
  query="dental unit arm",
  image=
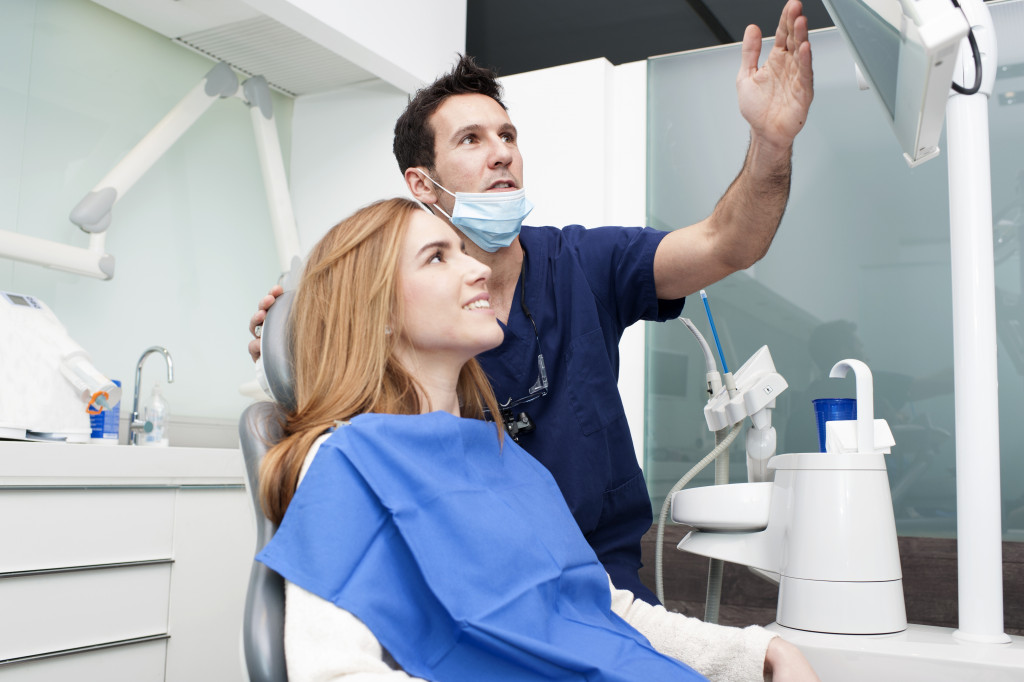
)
(756, 386)
(93, 213)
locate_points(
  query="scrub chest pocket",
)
(589, 376)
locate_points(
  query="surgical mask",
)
(490, 219)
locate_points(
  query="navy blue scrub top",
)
(583, 288)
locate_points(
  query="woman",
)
(421, 543)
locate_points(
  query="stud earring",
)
(387, 330)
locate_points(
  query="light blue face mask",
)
(490, 219)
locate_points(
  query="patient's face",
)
(448, 316)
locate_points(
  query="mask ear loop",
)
(438, 205)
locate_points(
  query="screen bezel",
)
(928, 37)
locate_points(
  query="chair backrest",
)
(259, 429)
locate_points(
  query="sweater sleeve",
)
(720, 653)
(323, 642)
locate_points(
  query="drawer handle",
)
(89, 567)
(83, 649)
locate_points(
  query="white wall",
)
(341, 155)
(582, 132)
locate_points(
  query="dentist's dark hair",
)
(414, 137)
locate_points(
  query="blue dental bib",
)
(461, 557)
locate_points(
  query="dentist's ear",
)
(421, 188)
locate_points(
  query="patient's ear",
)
(421, 188)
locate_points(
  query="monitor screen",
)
(906, 50)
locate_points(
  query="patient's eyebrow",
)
(442, 244)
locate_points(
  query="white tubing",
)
(709, 357)
(659, 582)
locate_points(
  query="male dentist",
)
(565, 296)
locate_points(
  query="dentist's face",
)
(446, 307)
(475, 147)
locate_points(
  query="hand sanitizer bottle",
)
(156, 414)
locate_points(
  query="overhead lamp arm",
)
(93, 212)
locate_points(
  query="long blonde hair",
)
(343, 362)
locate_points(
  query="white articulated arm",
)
(92, 213)
(279, 200)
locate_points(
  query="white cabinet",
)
(120, 563)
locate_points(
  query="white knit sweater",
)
(323, 642)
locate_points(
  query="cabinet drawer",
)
(58, 611)
(45, 528)
(142, 662)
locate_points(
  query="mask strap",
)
(436, 184)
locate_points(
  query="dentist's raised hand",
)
(257, 319)
(775, 98)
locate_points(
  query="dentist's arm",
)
(774, 99)
(257, 319)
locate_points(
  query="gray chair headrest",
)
(276, 350)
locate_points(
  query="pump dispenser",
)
(155, 414)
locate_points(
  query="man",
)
(565, 296)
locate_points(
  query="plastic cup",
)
(832, 409)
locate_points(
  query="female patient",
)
(421, 543)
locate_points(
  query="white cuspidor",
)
(824, 528)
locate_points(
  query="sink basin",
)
(724, 508)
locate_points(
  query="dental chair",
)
(259, 429)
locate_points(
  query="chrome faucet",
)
(136, 425)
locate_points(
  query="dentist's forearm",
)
(748, 214)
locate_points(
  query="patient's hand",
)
(259, 316)
(783, 662)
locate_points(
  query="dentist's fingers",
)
(254, 349)
(259, 316)
(750, 52)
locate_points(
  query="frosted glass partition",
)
(194, 249)
(860, 268)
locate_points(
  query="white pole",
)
(979, 525)
(275, 181)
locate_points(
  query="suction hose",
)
(716, 567)
(723, 446)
